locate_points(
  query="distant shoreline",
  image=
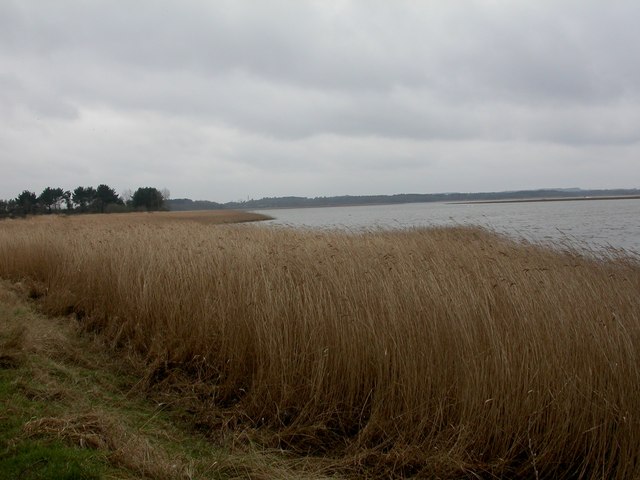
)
(558, 199)
(465, 202)
(542, 195)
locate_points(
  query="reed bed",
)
(442, 352)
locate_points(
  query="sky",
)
(230, 100)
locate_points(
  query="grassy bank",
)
(444, 352)
(71, 410)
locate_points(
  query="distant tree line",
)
(186, 204)
(352, 200)
(102, 199)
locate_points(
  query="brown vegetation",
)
(434, 352)
(69, 408)
(51, 369)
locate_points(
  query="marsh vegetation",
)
(441, 352)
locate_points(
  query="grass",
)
(71, 410)
(445, 352)
(63, 405)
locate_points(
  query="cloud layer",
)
(228, 99)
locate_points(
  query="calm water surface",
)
(593, 224)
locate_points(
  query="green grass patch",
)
(49, 460)
(26, 458)
(72, 409)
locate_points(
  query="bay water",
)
(590, 224)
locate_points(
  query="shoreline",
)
(554, 199)
(462, 202)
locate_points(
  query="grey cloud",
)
(34, 97)
(239, 87)
(521, 47)
(285, 68)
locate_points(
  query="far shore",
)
(462, 202)
(551, 199)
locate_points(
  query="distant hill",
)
(345, 200)
(184, 204)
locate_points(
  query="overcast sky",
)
(224, 100)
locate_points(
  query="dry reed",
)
(445, 352)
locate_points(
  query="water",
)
(592, 224)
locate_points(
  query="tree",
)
(10, 208)
(5, 208)
(126, 195)
(67, 200)
(147, 198)
(52, 198)
(105, 195)
(27, 202)
(83, 197)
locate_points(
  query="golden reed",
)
(447, 352)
